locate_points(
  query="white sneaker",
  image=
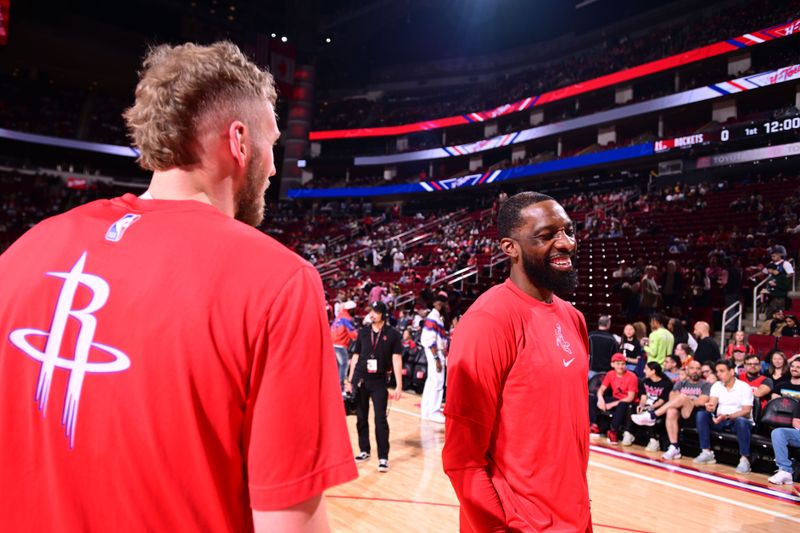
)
(781, 477)
(383, 465)
(627, 438)
(643, 419)
(437, 417)
(744, 466)
(653, 446)
(706, 457)
(672, 453)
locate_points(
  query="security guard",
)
(378, 349)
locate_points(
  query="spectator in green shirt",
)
(660, 342)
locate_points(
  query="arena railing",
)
(731, 313)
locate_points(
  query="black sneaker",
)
(383, 465)
(363, 456)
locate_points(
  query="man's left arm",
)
(295, 450)
(397, 366)
(765, 389)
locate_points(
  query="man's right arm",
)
(479, 360)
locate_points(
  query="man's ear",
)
(509, 247)
(237, 141)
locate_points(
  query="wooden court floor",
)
(631, 489)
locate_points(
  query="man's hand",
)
(718, 419)
(397, 394)
(601, 404)
(710, 407)
(348, 387)
(439, 365)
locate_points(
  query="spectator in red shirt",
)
(615, 396)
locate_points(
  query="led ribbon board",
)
(709, 92)
(645, 69)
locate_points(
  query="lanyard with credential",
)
(372, 360)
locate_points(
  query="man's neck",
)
(729, 384)
(376, 326)
(795, 381)
(194, 184)
(520, 279)
(622, 372)
(751, 377)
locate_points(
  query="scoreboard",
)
(734, 133)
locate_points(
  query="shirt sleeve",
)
(357, 344)
(715, 390)
(607, 380)
(480, 357)
(397, 344)
(667, 389)
(295, 449)
(747, 395)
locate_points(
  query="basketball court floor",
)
(631, 490)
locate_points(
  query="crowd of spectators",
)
(612, 54)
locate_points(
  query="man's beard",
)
(546, 277)
(250, 203)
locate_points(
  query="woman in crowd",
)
(777, 367)
(791, 329)
(678, 330)
(738, 342)
(707, 370)
(654, 392)
(631, 348)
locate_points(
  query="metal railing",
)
(455, 277)
(731, 313)
(756, 298)
(404, 298)
(496, 259)
(464, 276)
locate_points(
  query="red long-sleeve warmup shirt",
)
(517, 431)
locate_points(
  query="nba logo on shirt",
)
(118, 228)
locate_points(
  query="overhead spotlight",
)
(273, 35)
(328, 40)
(284, 39)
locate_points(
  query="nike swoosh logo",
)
(567, 363)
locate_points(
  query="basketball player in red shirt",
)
(165, 366)
(516, 435)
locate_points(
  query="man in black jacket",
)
(707, 347)
(602, 345)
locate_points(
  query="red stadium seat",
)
(789, 345)
(762, 344)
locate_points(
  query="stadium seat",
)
(789, 345)
(762, 344)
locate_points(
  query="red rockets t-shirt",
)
(621, 385)
(163, 367)
(517, 429)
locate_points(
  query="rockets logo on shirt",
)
(561, 342)
(78, 366)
